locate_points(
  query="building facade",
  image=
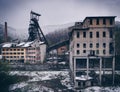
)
(91, 50)
(27, 52)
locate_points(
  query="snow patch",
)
(18, 85)
(83, 77)
(44, 75)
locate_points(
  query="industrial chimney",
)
(5, 35)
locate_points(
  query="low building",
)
(62, 50)
(91, 49)
(27, 52)
(59, 50)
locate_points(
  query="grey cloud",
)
(16, 12)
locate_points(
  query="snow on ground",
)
(32, 84)
(18, 85)
(93, 89)
(102, 89)
(40, 75)
(36, 76)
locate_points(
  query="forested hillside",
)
(57, 36)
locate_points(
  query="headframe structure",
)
(34, 30)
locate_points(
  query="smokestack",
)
(6, 32)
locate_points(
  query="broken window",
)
(91, 22)
(78, 34)
(84, 34)
(104, 34)
(97, 22)
(91, 35)
(97, 34)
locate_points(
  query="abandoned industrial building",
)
(27, 52)
(92, 50)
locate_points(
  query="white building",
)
(28, 52)
(91, 49)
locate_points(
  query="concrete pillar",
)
(87, 66)
(100, 74)
(74, 71)
(113, 70)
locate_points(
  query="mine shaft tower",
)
(34, 30)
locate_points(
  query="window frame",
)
(97, 21)
(97, 34)
(78, 34)
(104, 34)
(84, 45)
(84, 34)
(91, 34)
(91, 45)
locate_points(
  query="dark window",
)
(78, 34)
(84, 34)
(81, 63)
(84, 51)
(97, 45)
(78, 52)
(111, 21)
(92, 52)
(83, 83)
(78, 45)
(63, 49)
(91, 35)
(91, 45)
(104, 34)
(104, 45)
(104, 51)
(90, 21)
(97, 22)
(111, 48)
(104, 21)
(84, 45)
(97, 51)
(97, 34)
(79, 84)
(111, 34)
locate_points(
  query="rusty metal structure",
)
(35, 31)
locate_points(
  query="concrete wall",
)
(94, 40)
(43, 52)
(94, 20)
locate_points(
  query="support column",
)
(87, 66)
(100, 74)
(74, 71)
(113, 69)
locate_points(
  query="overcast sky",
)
(54, 12)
